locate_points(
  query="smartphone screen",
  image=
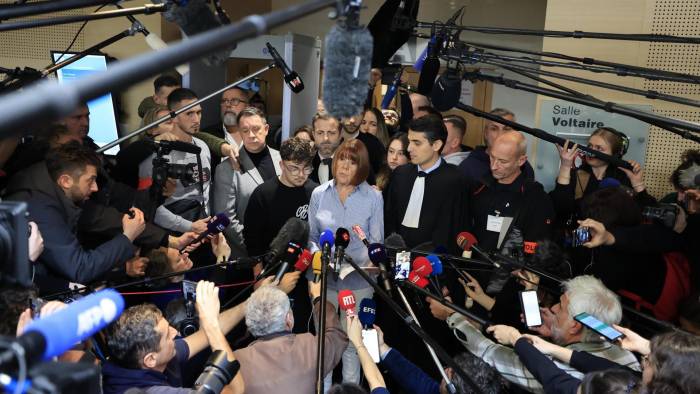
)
(598, 326)
(189, 289)
(371, 341)
(403, 265)
(531, 308)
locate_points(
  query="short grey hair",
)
(502, 112)
(588, 294)
(266, 311)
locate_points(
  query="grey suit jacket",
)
(232, 189)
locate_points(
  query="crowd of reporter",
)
(98, 221)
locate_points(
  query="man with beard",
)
(233, 101)
(581, 294)
(326, 139)
(55, 191)
(187, 208)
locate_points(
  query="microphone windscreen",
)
(326, 238)
(78, 321)
(426, 80)
(292, 253)
(436, 263)
(316, 263)
(346, 302)
(395, 241)
(218, 224)
(194, 17)
(417, 280)
(294, 229)
(304, 261)
(465, 240)
(348, 54)
(342, 237)
(367, 312)
(421, 266)
(447, 91)
(377, 253)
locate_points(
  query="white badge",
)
(494, 223)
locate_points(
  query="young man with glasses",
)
(258, 164)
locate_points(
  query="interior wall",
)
(676, 17)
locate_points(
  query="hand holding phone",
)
(531, 308)
(599, 327)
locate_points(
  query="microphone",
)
(178, 146)
(291, 254)
(215, 226)
(293, 230)
(326, 241)
(367, 313)
(378, 257)
(342, 240)
(316, 266)
(51, 336)
(417, 280)
(436, 265)
(421, 266)
(447, 90)
(346, 302)
(360, 234)
(467, 241)
(154, 41)
(291, 78)
(304, 261)
(430, 70)
(347, 59)
(395, 241)
(393, 89)
(193, 17)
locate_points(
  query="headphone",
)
(624, 139)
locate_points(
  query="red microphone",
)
(467, 241)
(346, 301)
(304, 261)
(422, 267)
(417, 280)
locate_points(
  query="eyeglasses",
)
(298, 171)
(233, 102)
(254, 129)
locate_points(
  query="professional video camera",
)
(663, 213)
(218, 372)
(163, 169)
(14, 253)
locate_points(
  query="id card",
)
(494, 223)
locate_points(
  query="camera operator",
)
(187, 209)
(55, 191)
(146, 354)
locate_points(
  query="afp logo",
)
(90, 319)
(368, 309)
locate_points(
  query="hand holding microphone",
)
(212, 227)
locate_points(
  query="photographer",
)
(188, 207)
(146, 354)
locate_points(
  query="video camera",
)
(163, 169)
(663, 213)
(14, 248)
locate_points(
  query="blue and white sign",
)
(576, 122)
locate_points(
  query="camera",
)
(662, 213)
(218, 372)
(163, 169)
(14, 248)
(580, 236)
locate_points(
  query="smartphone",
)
(531, 308)
(598, 326)
(189, 289)
(403, 265)
(371, 341)
(580, 236)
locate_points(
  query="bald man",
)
(509, 211)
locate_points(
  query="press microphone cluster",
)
(294, 230)
(467, 241)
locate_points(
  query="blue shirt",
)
(364, 207)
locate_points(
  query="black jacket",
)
(63, 259)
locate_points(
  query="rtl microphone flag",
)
(304, 261)
(346, 301)
(368, 312)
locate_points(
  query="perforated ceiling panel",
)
(681, 18)
(37, 43)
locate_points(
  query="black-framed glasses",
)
(297, 171)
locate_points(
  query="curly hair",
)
(134, 335)
(297, 150)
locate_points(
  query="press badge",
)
(494, 223)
